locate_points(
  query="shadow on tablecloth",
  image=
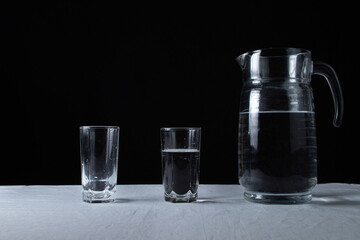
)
(343, 198)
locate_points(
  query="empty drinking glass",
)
(99, 162)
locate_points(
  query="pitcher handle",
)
(325, 70)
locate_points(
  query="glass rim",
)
(179, 128)
(99, 127)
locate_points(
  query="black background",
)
(142, 67)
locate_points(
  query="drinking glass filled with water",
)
(277, 136)
(180, 152)
(99, 162)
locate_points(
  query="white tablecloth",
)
(57, 212)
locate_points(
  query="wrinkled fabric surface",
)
(140, 212)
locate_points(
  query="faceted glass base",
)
(188, 197)
(97, 196)
(268, 198)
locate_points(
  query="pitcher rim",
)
(290, 51)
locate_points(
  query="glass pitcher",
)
(277, 137)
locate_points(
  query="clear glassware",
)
(277, 146)
(180, 153)
(99, 162)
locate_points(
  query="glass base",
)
(268, 198)
(97, 196)
(188, 197)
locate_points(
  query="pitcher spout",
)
(241, 61)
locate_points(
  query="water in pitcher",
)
(277, 151)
